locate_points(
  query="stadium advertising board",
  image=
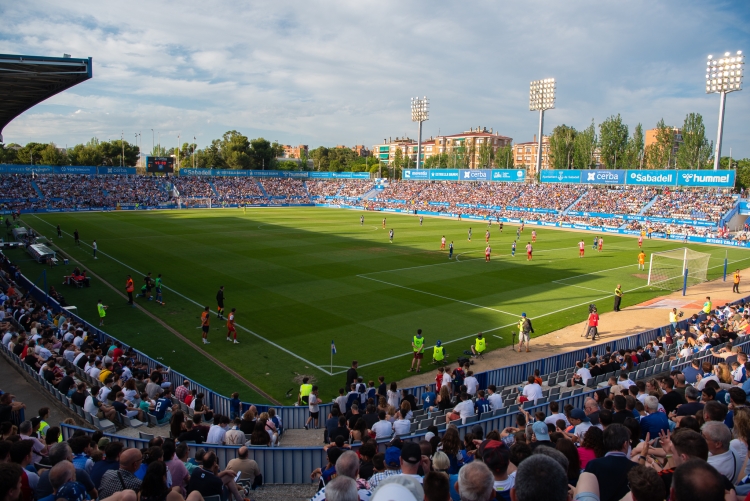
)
(475, 174)
(163, 165)
(652, 177)
(415, 174)
(709, 178)
(564, 176)
(86, 170)
(602, 176)
(509, 175)
(274, 174)
(443, 174)
(116, 171)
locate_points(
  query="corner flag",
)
(333, 348)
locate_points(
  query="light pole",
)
(193, 155)
(122, 143)
(153, 145)
(541, 97)
(723, 76)
(420, 111)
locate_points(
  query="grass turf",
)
(301, 277)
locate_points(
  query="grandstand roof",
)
(26, 81)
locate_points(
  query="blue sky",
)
(328, 72)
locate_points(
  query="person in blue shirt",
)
(163, 409)
(655, 421)
(482, 404)
(234, 406)
(428, 398)
(692, 371)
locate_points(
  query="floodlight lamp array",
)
(724, 74)
(420, 109)
(542, 94)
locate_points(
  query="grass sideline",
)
(302, 277)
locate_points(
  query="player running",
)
(469, 234)
(442, 243)
(450, 250)
(361, 220)
(383, 223)
(231, 330)
(522, 224)
(500, 224)
(640, 240)
(601, 243)
(390, 235)
(205, 321)
(581, 248)
(529, 250)
(596, 242)
(513, 249)
(518, 233)
(157, 286)
(487, 236)
(220, 303)
(642, 260)
(533, 236)
(421, 218)
(487, 252)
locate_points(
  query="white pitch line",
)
(437, 295)
(579, 286)
(200, 305)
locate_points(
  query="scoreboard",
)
(160, 164)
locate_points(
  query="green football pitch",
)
(303, 277)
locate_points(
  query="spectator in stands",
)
(111, 461)
(234, 435)
(250, 472)
(392, 462)
(696, 479)
(182, 391)
(612, 470)
(124, 477)
(721, 456)
(39, 449)
(8, 405)
(21, 452)
(126, 408)
(208, 481)
(11, 483)
(655, 421)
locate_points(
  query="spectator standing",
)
(124, 477)
(612, 470)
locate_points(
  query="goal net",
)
(667, 269)
(194, 202)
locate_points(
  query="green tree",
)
(743, 170)
(31, 153)
(613, 141)
(53, 156)
(304, 156)
(659, 153)
(262, 153)
(439, 161)
(504, 158)
(398, 159)
(634, 151)
(319, 157)
(562, 147)
(85, 154)
(8, 154)
(695, 149)
(210, 156)
(584, 147)
(486, 155)
(235, 150)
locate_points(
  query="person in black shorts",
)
(220, 302)
(148, 283)
(75, 237)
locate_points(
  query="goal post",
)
(678, 269)
(194, 202)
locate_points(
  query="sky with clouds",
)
(342, 72)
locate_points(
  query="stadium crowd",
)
(692, 204)
(618, 201)
(682, 433)
(237, 189)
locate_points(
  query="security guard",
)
(304, 391)
(417, 345)
(707, 306)
(618, 297)
(479, 345)
(129, 287)
(438, 353)
(736, 286)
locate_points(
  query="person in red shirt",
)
(593, 324)
(581, 246)
(439, 379)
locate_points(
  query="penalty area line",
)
(99, 252)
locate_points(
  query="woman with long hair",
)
(450, 445)
(176, 424)
(724, 373)
(444, 399)
(260, 436)
(359, 431)
(131, 392)
(627, 363)
(382, 404)
(248, 422)
(203, 409)
(405, 410)
(440, 462)
(394, 397)
(570, 450)
(154, 484)
(270, 428)
(592, 446)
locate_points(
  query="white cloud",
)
(337, 72)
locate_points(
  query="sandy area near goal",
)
(631, 320)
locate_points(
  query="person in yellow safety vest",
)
(736, 286)
(707, 306)
(479, 345)
(304, 391)
(44, 425)
(525, 330)
(102, 312)
(417, 345)
(438, 353)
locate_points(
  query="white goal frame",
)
(667, 269)
(190, 202)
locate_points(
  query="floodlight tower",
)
(420, 112)
(723, 75)
(541, 97)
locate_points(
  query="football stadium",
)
(459, 317)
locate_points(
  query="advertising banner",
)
(475, 174)
(652, 177)
(708, 178)
(509, 175)
(415, 174)
(603, 176)
(571, 176)
(443, 174)
(116, 171)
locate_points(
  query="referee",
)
(618, 297)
